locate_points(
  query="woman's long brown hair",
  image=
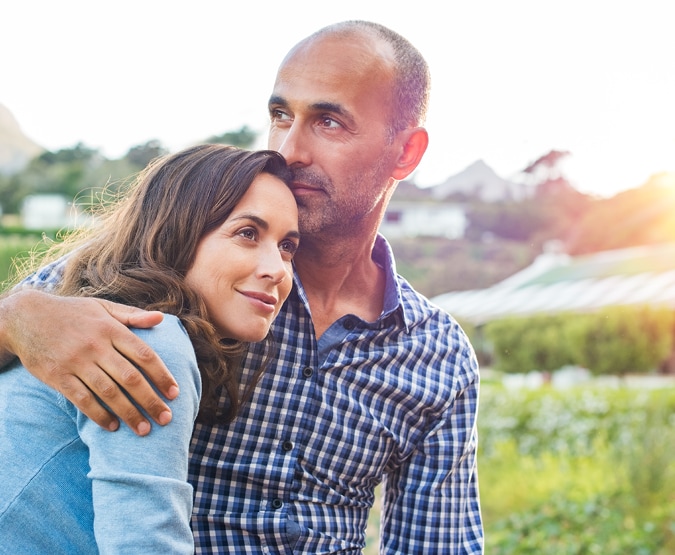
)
(142, 249)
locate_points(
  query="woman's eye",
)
(289, 246)
(248, 233)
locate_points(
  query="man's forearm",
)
(7, 306)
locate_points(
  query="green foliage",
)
(622, 339)
(82, 173)
(615, 340)
(565, 527)
(243, 138)
(436, 265)
(526, 344)
(580, 471)
(15, 246)
(141, 155)
(65, 172)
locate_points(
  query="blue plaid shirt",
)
(392, 401)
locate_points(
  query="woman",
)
(206, 236)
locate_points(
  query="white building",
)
(50, 211)
(423, 219)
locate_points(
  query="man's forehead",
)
(355, 51)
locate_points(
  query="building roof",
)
(557, 282)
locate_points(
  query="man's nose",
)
(294, 144)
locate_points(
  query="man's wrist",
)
(10, 303)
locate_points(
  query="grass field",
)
(12, 246)
(575, 472)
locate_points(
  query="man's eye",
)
(279, 115)
(329, 123)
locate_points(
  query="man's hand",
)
(82, 347)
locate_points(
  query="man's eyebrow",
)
(276, 99)
(330, 107)
(333, 108)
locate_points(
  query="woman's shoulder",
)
(170, 341)
(168, 336)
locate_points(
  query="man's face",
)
(330, 110)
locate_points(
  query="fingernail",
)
(143, 428)
(164, 417)
(113, 426)
(173, 392)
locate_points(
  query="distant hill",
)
(480, 181)
(16, 149)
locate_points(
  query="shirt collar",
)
(393, 299)
(384, 258)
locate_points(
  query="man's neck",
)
(340, 278)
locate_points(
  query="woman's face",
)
(243, 269)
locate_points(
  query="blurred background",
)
(542, 216)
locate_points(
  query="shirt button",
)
(287, 445)
(307, 371)
(277, 504)
(349, 324)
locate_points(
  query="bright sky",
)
(511, 79)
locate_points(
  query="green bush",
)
(578, 471)
(619, 340)
(615, 340)
(532, 343)
(566, 527)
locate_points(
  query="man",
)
(372, 382)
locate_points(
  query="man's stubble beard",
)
(327, 212)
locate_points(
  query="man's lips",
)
(301, 188)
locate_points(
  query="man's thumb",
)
(133, 316)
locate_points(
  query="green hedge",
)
(13, 247)
(614, 340)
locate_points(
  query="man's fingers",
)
(80, 395)
(132, 316)
(93, 356)
(136, 351)
(118, 376)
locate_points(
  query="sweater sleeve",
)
(142, 500)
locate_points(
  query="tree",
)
(77, 153)
(547, 167)
(141, 155)
(243, 138)
(641, 216)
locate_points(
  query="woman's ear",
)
(416, 140)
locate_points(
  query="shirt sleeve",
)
(47, 277)
(142, 500)
(431, 503)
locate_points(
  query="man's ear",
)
(416, 140)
